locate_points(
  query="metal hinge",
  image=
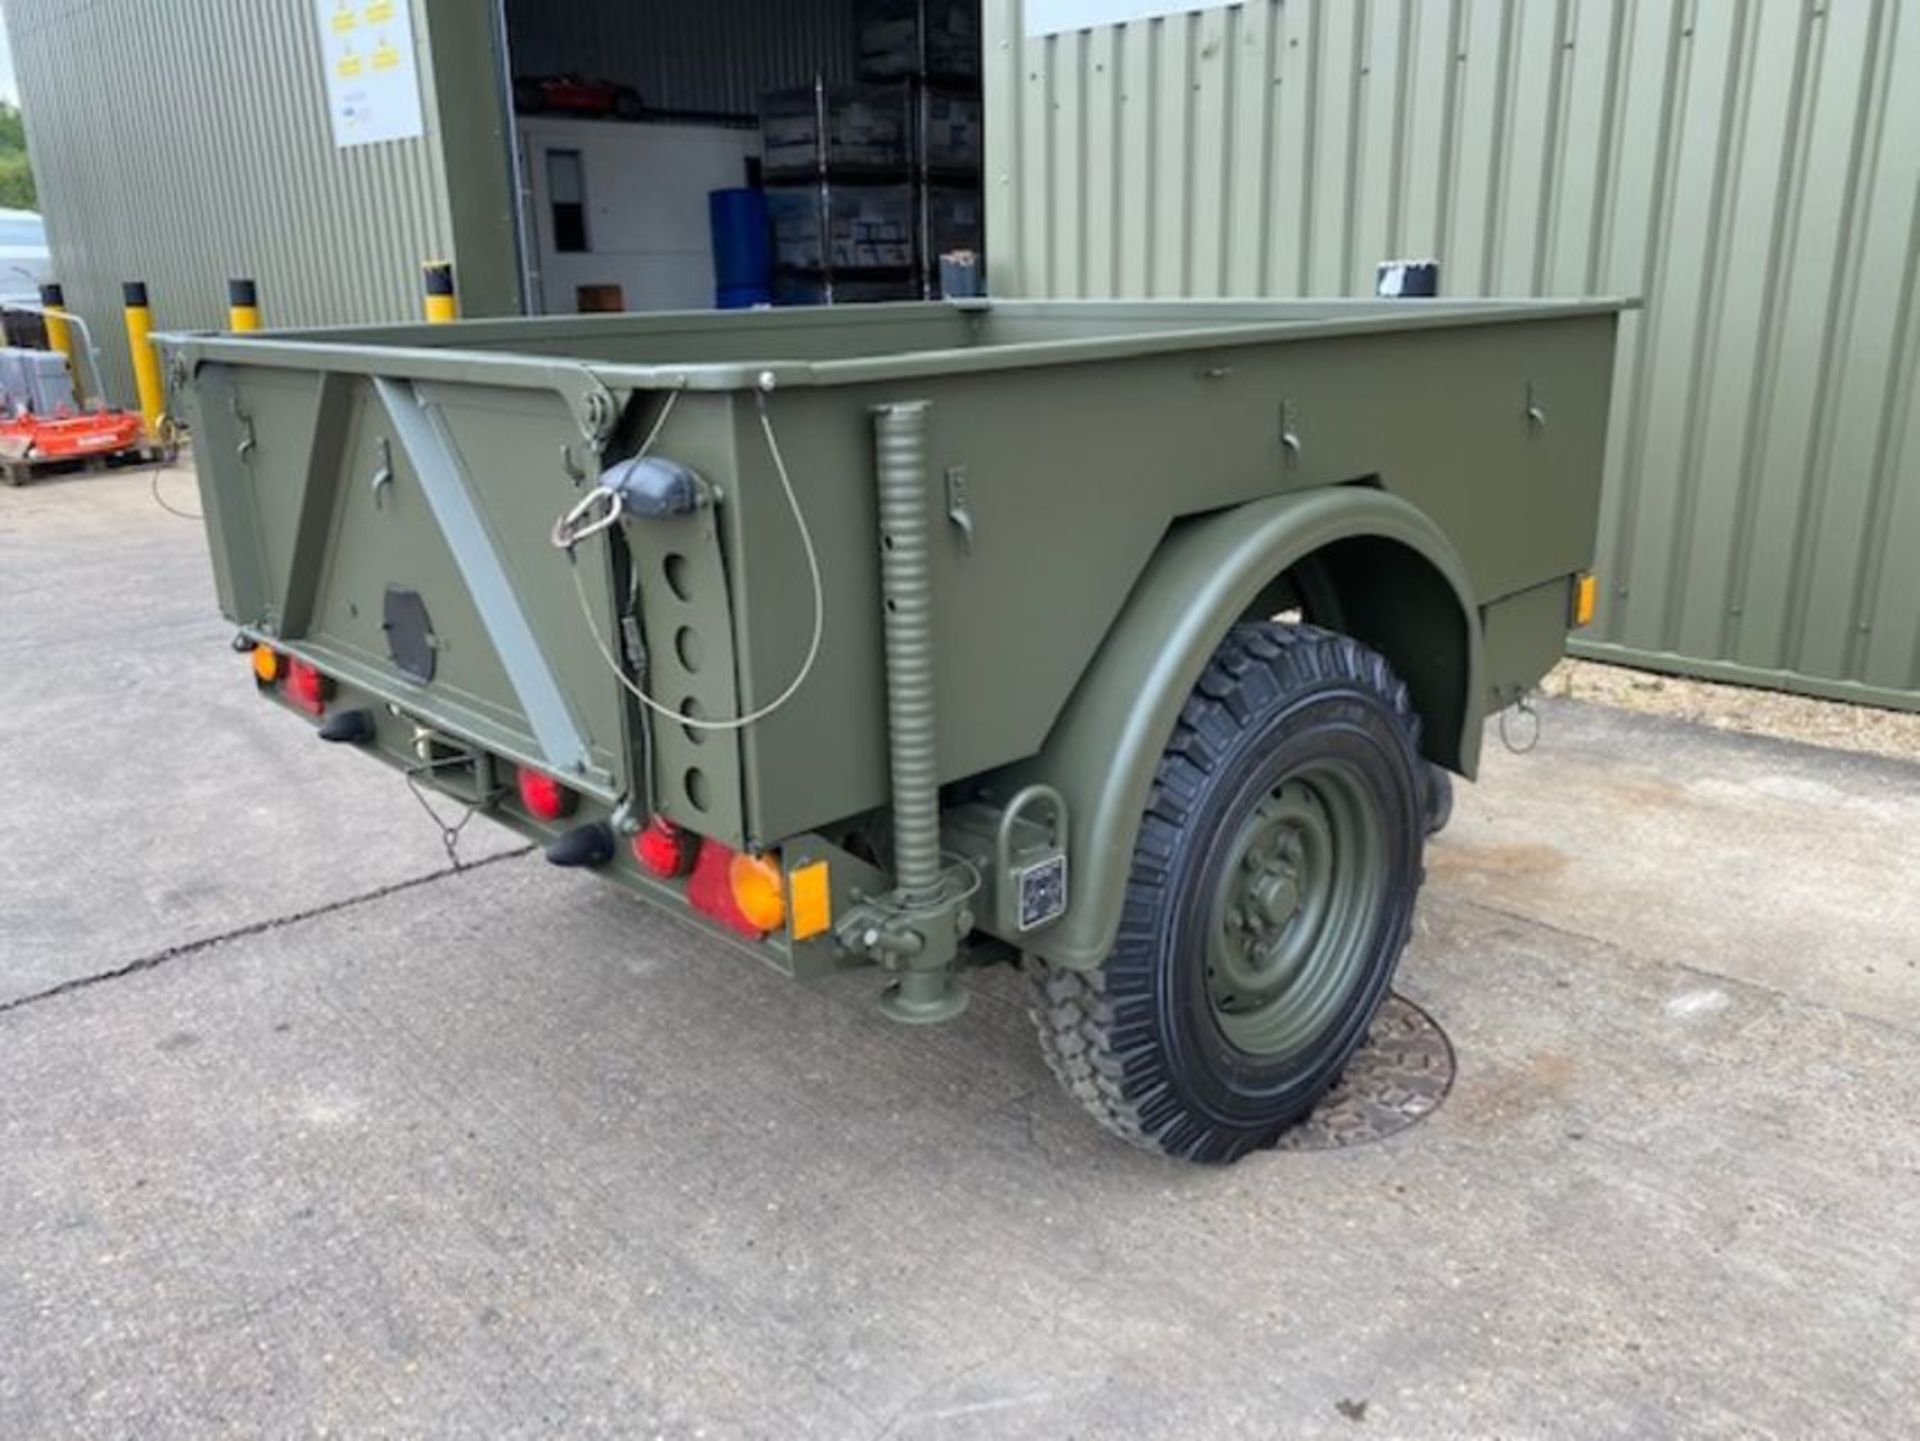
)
(244, 423)
(1536, 415)
(382, 470)
(957, 509)
(636, 648)
(1290, 433)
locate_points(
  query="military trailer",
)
(1130, 642)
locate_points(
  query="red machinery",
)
(576, 95)
(69, 436)
(43, 424)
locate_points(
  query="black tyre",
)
(529, 97)
(1271, 895)
(627, 104)
(1439, 800)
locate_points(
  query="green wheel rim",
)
(1292, 917)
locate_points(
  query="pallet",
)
(25, 470)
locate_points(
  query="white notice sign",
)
(373, 84)
(1051, 17)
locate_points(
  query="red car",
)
(575, 95)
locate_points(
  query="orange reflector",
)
(812, 901)
(755, 883)
(1585, 590)
(266, 664)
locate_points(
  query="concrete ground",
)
(301, 1131)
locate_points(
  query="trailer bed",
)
(1066, 445)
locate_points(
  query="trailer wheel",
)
(1439, 799)
(1271, 895)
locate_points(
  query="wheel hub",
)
(1291, 912)
(1278, 894)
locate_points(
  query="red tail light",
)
(710, 890)
(306, 687)
(664, 850)
(544, 797)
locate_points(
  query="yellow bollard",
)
(243, 305)
(146, 360)
(53, 300)
(443, 306)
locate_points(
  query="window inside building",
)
(567, 193)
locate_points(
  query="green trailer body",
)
(960, 566)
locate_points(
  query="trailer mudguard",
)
(1103, 753)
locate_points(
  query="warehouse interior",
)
(841, 137)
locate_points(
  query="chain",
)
(167, 439)
(449, 834)
(161, 501)
(1522, 706)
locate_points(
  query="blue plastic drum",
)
(742, 248)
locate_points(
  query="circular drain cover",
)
(1397, 1078)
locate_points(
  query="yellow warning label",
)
(386, 56)
(380, 12)
(348, 66)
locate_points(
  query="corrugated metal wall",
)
(707, 56)
(184, 142)
(1750, 167)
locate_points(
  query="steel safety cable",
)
(567, 538)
